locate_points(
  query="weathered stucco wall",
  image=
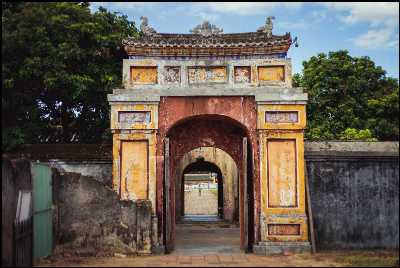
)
(354, 191)
(90, 219)
(354, 194)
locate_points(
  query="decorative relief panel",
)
(207, 74)
(271, 73)
(283, 229)
(277, 117)
(172, 75)
(144, 75)
(134, 117)
(242, 74)
(282, 178)
(134, 170)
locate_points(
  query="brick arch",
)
(192, 122)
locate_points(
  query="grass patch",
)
(370, 260)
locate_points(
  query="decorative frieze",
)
(242, 74)
(134, 116)
(276, 117)
(144, 74)
(172, 74)
(214, 74)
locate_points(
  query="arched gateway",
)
(232, 92)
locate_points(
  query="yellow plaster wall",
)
(281, 163)
(134, 170)
(136, 157)
(282, 173)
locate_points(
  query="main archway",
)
(221, 132)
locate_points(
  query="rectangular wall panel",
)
(144, 75)
(278, 117)
(134, 117)
(271, 73)
(282, 179)
(283, 229)
(134, 169)
(214, 74)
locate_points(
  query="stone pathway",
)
(209, 245)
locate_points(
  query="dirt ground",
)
(370, 258)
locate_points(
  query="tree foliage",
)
(349, 98)
(59, 63)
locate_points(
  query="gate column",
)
(283, 214)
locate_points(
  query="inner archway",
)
(211, 159)
(202, 191)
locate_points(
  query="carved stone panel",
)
(283, 229)
(144, 75)
(282, 177)
(276, 117)
(134, 116)
(242, 74)
(172, 74)
(271, 73)
(216, 74)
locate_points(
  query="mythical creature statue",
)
(267, 28)
(145, 28)
(206, 29)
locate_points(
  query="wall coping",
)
(102, 153)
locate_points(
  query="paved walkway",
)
(211, 244)
(207, 238)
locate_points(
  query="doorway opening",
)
(207, 148)
(202, 192)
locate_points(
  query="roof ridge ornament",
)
(206, 29)
(145, 28)
(267, 28)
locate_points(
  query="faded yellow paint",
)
(271, 73)
(134, 170)
(134, 107)
(144, 74)
(140, 152)
(282, 136)
(281, 158)
(299, 108)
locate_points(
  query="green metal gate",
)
(42, 210)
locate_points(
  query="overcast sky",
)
(364, 29)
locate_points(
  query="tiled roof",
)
(160, 44)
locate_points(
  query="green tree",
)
(59, 63)
(349, 98)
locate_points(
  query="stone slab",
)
(273, 248)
